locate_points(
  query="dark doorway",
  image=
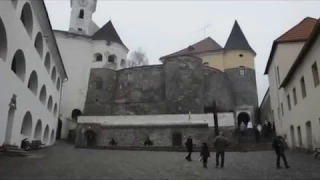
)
(243, 117)
(91, 138)
(75, 114)
(59, 129)
(176, 139)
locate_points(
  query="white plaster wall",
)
(18, 38)
(78, 55)
(224, 119)
(306, 108)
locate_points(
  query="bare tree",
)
(138, 58)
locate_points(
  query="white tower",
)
(81, 16)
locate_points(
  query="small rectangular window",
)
(79, 29)
(289, 103)
(242, 71)
(295, 101)
(303, 87)
(81, 14)
(282, 111)
(315, 74)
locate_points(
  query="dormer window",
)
(81, 14)
(205, 64)
(242, 71)
(190, 48)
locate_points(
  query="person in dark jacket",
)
(189, 145)
(278, 146)
(205, 154)
(220, 143)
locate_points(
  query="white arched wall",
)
(18, 37)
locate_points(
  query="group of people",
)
(221, 143)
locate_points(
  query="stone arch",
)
(59, 128)
(18, 65)
(33, 82)
(309, 136)
(14, 3)
(112, 58)
(55, 109)
(38, 44)
(243, 117)
(58, 84)
(123, 63)
(293, 138)
(49, 106)
(26, 127)
(52, 137)
(75, 113)
(299, 136)
(54, 74)
(46, 134)
(9, 126)
(26, 18)
(38, 130)
(98, 57)
(3, 41)
(43, 94)
(47, 61)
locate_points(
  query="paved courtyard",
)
(62, 161)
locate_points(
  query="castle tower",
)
(81, 16)
(240, 68)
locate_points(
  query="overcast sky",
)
(163, 27)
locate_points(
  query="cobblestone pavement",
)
(64, 161)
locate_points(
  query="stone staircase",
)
(11, 150)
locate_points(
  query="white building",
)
(83, 47)
(294, 84)
(31, 73)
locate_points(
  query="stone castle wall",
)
(181, 85)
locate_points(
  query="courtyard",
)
(63, 161)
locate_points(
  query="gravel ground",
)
(63, 161)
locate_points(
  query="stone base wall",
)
(162, 136)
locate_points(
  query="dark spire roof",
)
(109, 33)
(205, 45)
(237, 40)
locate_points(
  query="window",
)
(112, 58)
(282, 111)
(242, 70)
(289, 103)
(295, 101)
(81, 14)
(98, 57)
(315, 74)
(26, 18)
(205, 64)
(99, 84)
(79, 29)
(278, 75)
(303, 87)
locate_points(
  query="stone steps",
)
(9, 150)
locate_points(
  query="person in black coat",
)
(189, 145)
(278, 146)
(205, 154)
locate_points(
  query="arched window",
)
(38, 130)
(46, 134)
(54, 74)
(3, 42)
(81, 14)
(18, 65)
(58, 84)
(47, 62)
(43, 94)
(33, 82)
(55, 109)
(26, 18)
(26, 127)
(49, 106)
(112, 58)
(38, 44)
(75, 114)
(98, 57)
(123, 63)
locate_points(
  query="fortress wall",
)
(217, 87)
(184, 84)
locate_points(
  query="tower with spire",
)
(81, 16)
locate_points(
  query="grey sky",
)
(162, 27)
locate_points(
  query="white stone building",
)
(83, 47)
(31, 73)
(294, 84)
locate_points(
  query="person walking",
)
(220, 143)
(205, 154)
(243, 128)
(189, 145)
(278, 146)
